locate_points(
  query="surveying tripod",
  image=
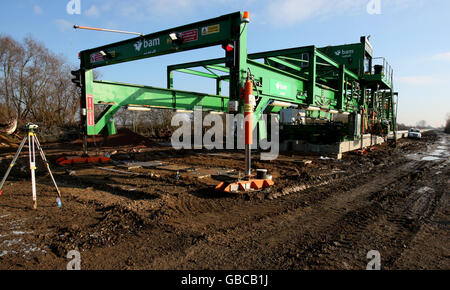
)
(33, 143)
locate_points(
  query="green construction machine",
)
(324, 84)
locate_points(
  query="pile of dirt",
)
(124, 137)
(116, 224)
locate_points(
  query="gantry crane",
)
(323, 82)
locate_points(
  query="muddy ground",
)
(321, 214)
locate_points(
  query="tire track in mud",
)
(326, 226)
(382, 225)
(330, 225)
(238, 206)
(327, 217)
(257, 231)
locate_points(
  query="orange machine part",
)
(245, 185)
(82, 160)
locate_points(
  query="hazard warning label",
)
(96, 57)
(90, 102)
(211, 29)
(90, 109)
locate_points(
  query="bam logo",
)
(138, 45)
(344, 53)
(146, 43)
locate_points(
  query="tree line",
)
(35, 84)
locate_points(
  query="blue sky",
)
(412, 34)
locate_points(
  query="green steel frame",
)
(213, 32)
(323, 81)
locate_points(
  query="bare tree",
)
(35, 84)
(11, 58)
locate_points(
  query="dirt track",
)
(324, 215)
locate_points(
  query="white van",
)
(414, 133)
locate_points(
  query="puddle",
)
(430, 158)
(439, 152)
(425, 189)
(413, 156)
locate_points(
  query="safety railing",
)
(381, 66)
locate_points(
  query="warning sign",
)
(91, 119)
(211, 29)
(90, 102)
(90, 109)
(191, 35)
(96, 57)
